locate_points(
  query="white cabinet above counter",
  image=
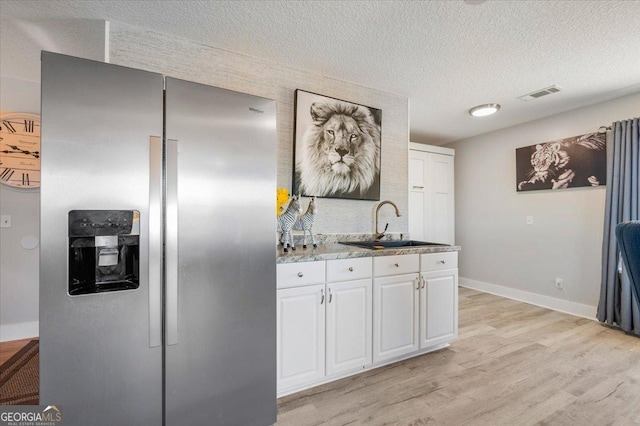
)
(351, 309)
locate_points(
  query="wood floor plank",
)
(8, 349)
(513, 364)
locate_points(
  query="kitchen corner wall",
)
(19, 272)
(180, 58)
(503, 255)
(21, 42)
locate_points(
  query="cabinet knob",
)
(443, 262)
(350, 268)
(397, 265)
(300, 274)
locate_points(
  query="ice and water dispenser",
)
(104, 251)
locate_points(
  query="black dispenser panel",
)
(104, 251)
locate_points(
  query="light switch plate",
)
(5, 221)
(529, 220)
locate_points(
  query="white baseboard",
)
(566, 306)
(23, 330)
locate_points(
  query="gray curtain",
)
(617, 304)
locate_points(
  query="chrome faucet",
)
(379, 235)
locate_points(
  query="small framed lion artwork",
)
(337, 148)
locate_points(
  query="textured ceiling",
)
(446, 56)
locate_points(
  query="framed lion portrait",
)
(337, 148)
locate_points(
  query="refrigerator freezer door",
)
(95, 356)
(222, 369)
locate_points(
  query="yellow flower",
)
(282, 196)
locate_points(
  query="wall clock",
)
(20, 150)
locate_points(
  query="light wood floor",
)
(513, 364)
(8, 349)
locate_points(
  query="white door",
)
(431, 197)
(349, 325)
(441, 225)
(438, 307)
(395, 316)
(300, 331)
(418, 194)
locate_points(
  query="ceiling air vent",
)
(539, 93)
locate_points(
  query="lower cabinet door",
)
(300, 331)
(395, 316)
(349, 325)
(438, 307)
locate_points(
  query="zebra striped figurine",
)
(286, 221)
(305, 222)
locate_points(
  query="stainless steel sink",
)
(379, 245)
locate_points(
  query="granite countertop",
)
(332, 249)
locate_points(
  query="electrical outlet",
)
(5, 221)
(559, 283)
(529, 220)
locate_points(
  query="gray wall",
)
(184, 59)
(565, 240)
(18, 266)
(21, 42)
(20, 46)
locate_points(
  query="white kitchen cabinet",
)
(396, 313)
(431, 193)
(298, 274)
(338, 317)
(438, 298)
(395, 316)
(384, 266)
(349, 325)
(323, 328)
(300, 335)
(300, 322)
(348, 269)
(412, 312)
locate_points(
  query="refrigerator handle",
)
(172, 243)
(155, 241)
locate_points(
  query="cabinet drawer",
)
(438, 261)
(299, 273)
(348, 269)
(395, 265)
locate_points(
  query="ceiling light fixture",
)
(482, 110)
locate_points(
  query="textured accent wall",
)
(184, 59)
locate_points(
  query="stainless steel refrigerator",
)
(157, 276)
